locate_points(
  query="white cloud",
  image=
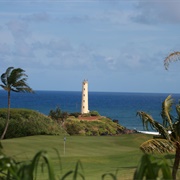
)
(157, 12)
(110, 39)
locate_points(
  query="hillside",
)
(25, 122)
(92, 126)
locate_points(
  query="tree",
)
(55, 114)
(171, 58)
(169, 130)
(58, 115)
(14, 79)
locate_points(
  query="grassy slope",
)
(98, 154)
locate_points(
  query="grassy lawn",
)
(98, 154)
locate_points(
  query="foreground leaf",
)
(158, 146)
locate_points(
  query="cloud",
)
(56, 51)
(151, 12)
(76, 58)
(20, 34)
(75, 19)
(63, 55)
(18, 28)
(114, 16)
(36, 17)
(53, 45)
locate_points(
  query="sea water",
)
(115, 105)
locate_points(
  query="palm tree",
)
(171, 58)
(13, 80)
(169, 130)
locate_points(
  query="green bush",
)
(94, 113)
(75, 114)
(86, 115)
(91, 113)
(24, 122)
(58, 115)
(73, 127)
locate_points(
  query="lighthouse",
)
(84, 104)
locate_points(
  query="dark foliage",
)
(75, 114)
(58, 115)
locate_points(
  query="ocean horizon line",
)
(122, 92)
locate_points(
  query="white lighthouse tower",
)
(84, 104)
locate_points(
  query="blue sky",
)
(118, 45)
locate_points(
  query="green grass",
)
(98, 154)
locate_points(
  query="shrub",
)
(86, 115)
(94, 113)
(73, 127)
(55, 114)
(75, 114)
(25, 122)
(58, 115)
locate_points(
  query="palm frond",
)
(16, 75)
(21, 86)
(24, 89)
(175, 56)
(20, 83)
(157, 146)
(147, 121)
(178, 111)
(4, 78)
(4, 87)
(165, 113)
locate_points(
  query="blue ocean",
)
(115, 105)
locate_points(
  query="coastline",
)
(117, 106)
